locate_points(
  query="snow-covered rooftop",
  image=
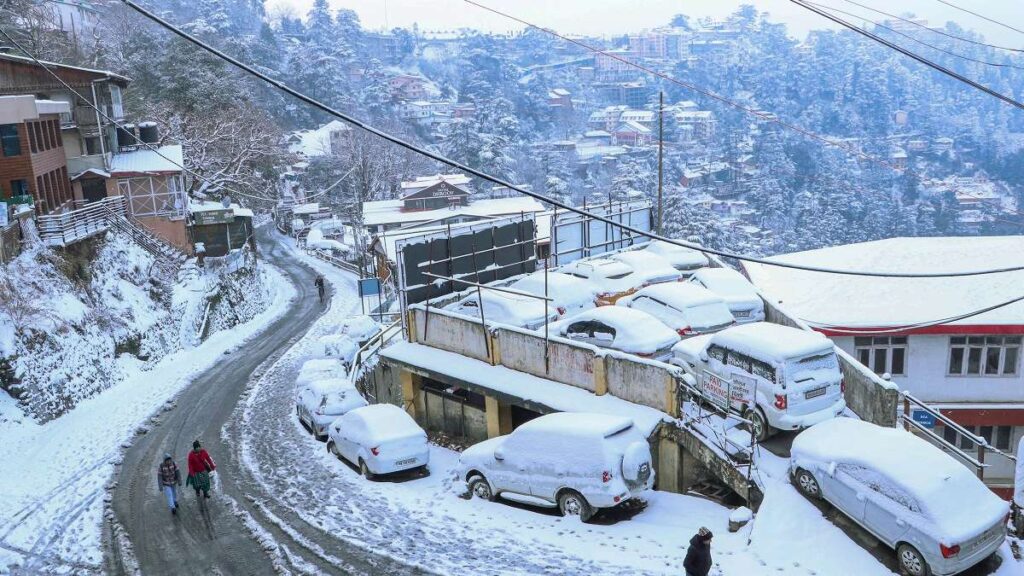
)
(169, 158)
(210, 205)
(422, 182)
(310, 143)
(859, 301)
(391, 212)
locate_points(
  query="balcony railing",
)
(74, 225)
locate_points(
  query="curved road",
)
(217, 536)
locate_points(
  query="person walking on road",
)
(698, 555)
(168, 478)
(199, 467)
(320, 287)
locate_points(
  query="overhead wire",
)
(909, 54)
(552, 201)
(912, 39)
(853, 331)
(117, 124)
(938, 31)
(982, 16)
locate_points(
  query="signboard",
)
(926, 419)
(574, 236)
(740, 390)
(210, 217)
(369, 287)
(4, 215)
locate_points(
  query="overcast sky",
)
(607, 17)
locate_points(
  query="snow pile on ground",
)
(66, 319)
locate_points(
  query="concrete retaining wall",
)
(568, 364)
(459, 335)
(641, 383)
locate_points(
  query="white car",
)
(689, 310)
(911, 495)
(359, 328)
(568, 294)
(611, 278)
(577, 462)
(650, 268)
(620, 328)
(740, 295)
(320, 369)
(379, 439)
(506, 308)
(322, 401)
(787, 378)
(682, 258)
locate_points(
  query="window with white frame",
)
(998, 437)
(882, 354)
(984, 355)
(116, 107)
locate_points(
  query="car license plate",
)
(406, 461)
(815, 393)
(741, 313)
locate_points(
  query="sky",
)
(610, 17)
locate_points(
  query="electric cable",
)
(848, 331)
(982, 16)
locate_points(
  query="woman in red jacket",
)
(199, 467)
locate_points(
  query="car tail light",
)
(685, 331)
(375, 450)
(842, 386)
(561, 310)
(606, 476)
(781, 401)
(617, 498)
(949, 551)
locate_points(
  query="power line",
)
(764, 116)
(983, 17)
(912, 39)
(99, 111)
(554, 202)
(909, 54)
(907, 327)
(933, 30)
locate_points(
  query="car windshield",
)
(812, 366)
(618, 276)
(709, 315)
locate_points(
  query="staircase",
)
(168, 258)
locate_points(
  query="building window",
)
(883, 354)
(984, 355)
(19, 187)
(9, 140)
(998, 437)
(117, 110)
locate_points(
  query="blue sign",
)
(926, 419)
(369, 287)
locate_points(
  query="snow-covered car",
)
(649, 268)
(320, 369)
(686, 354)
(506, 308)
(938, 517)
(688, 309)
(787, 378)
(681, 258)
(620, 328)
(379, 439)
(611, 279)
(577, 462)
(359, 328)
(739, 294)
(322, 401)
(568, 294)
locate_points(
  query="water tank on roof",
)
(148, 132)
(126, 136)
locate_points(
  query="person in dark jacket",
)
(698, 555)
(168, 478)
(199, 467)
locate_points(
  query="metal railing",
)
(977, 461)
(72, 226)
(333, 260)
(369, 350)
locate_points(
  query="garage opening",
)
(522, 415)
(455, 412)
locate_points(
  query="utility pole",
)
(661, 153)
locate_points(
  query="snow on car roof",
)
(560, 285)
(379, 423)
(647, 265)
(679, 295)
(725, 281)
(578, 424)
(774, 340)
(635, 330)
(692, 346)
(677, 255)
(960, 505)
(325, 385)
(604, 267)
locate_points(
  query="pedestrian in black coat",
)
(698, 555)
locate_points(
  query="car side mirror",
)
(703, 356)
(499, 454)
(830, 469)
(690, 380)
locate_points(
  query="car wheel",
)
(759, 427)
(479, 487)
(333, 448)
(572, 503)
(807, 484)
(364, 470)
(911, 562)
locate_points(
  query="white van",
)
(576, 462)
(789, 377)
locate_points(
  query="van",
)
(786, 378)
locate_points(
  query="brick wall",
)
(41, 164)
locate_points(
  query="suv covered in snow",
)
(787, 378)
(577, 462)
